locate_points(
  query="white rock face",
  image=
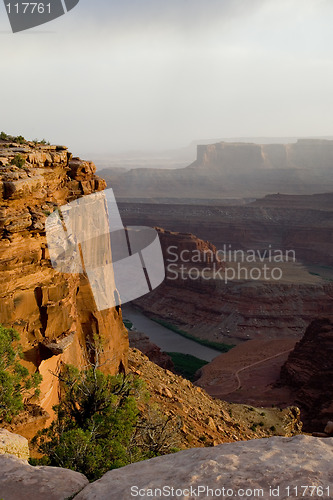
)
(14, 444)
(21, 481)
(263, 465)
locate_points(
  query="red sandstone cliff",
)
(53, 312)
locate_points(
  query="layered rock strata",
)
(207, 306)
(53, 312)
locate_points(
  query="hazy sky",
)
(132, 74)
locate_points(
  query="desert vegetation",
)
(103, 422)
(18, 161)
(19, 139)
(16, 384)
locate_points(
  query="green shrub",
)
(4, 136)
(15, 381)
(19, 139)
(18, 161)
(98, 425)
(94, 423)
(43, 141)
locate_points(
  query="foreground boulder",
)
(13, 444)
(262, 464)
(19, 480)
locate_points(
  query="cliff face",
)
(236, 310)
(226, 170)
(309, 373)
(53, 312)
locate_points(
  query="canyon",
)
(244, 309)
(240, 309)
(243, 394)
(264, 319)
(55, 313)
